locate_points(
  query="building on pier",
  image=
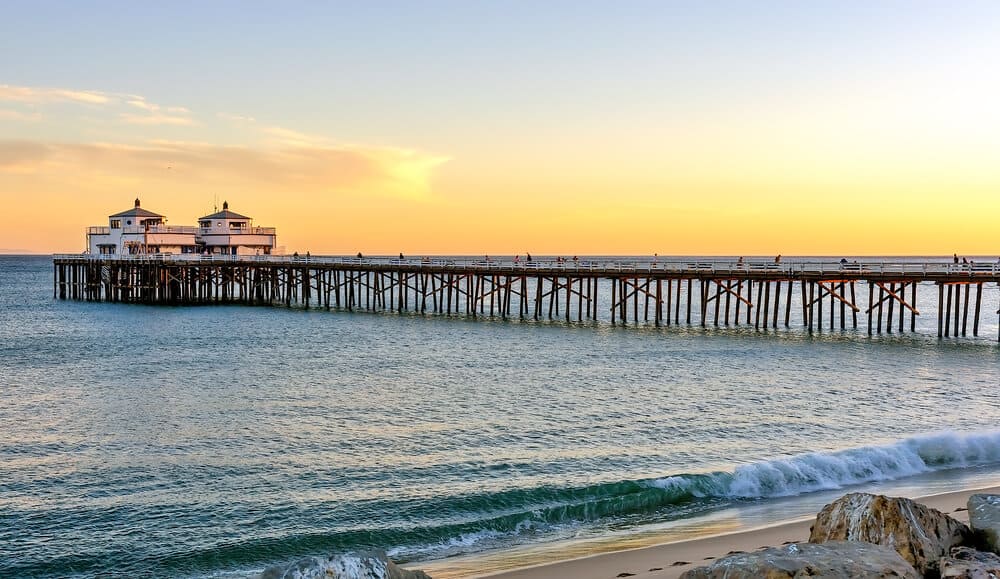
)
(139, 231)
(229, 233)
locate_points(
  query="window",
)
(204, 224)
(237, 224)
(129, 222)
(116, 224)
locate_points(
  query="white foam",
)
(832, 470)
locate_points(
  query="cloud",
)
(20, 156)
(9, 115)
(34, 95)
(289, 137)
(140, 103)
(156, 114)
(321, 170)
(157, 119)
(236, 118)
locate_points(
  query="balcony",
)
(238, 231)
(182, 229)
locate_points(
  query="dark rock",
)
(369, 565)
(921, 535)
(984, 517)
(966, 563)
(830, 560)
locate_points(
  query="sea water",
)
(216, 440)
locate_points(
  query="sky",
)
(472, 127)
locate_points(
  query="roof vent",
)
(136, 201)
(225, 205)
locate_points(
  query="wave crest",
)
(833, 470)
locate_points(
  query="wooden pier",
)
(764, 295)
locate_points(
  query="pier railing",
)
(792, 268)
(183, 229)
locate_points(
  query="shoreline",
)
(669, 560)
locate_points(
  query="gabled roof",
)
(225, 213)
(136, 212)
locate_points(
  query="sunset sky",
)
(470, 127)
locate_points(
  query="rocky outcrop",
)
(966, 563)
(921, 535)
(830, 560)
(371, 565)
(984, 518)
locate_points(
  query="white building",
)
(140, 231)
(230, 233)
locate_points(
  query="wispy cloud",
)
(236, 118)
(36, 95)
(9, 115)
(312, 170)
(20, 156)
(141, 103)
(292, 138)
(157, 119)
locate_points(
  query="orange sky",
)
(852, 130)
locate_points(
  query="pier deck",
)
(762, 294)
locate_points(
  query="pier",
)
(761, 294)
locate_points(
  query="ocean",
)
(213, 441)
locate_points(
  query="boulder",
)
(921, 535)
(831, 560)
(966, 563)
(984, 518)
(369, 565)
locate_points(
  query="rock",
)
(966, 563)
(369, 565)
(921, 535)
(830, 560)
(984, 518)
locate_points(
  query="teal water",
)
(199, 441)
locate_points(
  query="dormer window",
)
(116, 224)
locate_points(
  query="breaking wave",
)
(474, 522)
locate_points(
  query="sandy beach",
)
(667, 561)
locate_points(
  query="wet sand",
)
(669, 560)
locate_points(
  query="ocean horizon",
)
(216, 441)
